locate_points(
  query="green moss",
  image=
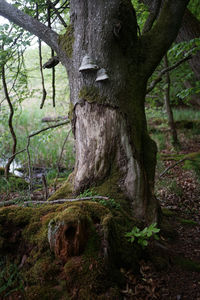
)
(91, 94)
(65, 191)
(187, 264)
(66, 40)
(167, 212)
(167, 229)
(187, 222)
(46, 292)
(13, 183)
(92, 273)
(71, 111)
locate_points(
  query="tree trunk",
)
(189, 30)
(112, 145)
(170, 117)
(114, 153)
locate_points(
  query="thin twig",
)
(44, 181)
(172, 166)
(29, 165)
(57, 13)
(10, 160)
(38, 132)
(52, 53)
(159, 78)
(59, 201)
(62, 150)
(47, 128)
(60, 157)
(44, 92)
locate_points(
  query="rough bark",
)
(190, 29)
(114, 153)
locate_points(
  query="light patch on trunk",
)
(102, 142)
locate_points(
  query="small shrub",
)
(142, 236)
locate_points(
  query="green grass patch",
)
(186, 114)
(187, 222)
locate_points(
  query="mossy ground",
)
(93, 274)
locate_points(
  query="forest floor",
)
(179, 195)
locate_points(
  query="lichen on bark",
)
(66, 41)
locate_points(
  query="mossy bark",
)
(69, 251)
(108, 116)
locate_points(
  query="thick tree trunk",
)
(189, 30)
(113, 150)
(108, 116)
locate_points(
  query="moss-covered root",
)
(68, 251)
(65, 191)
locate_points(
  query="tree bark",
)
(190, 29)
(114, 153)
(109, 120)
(168, 106)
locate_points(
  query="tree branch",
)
(52, 126)
(44, 92)
(157, 41)
(39, 131)
(59, 201)
(57, 13)
(152, 16)
(164, 71)
(7, 167)
(30, 24)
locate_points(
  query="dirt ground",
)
(181, 202)
(179, 194)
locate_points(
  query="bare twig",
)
(44, 92)
(53, 119)
(61, 153)
(159, 78)
(38, 132)
(7, 167)
(44, 181)
(57, 13)
(59, 201)
(52, 52)
(29, 165)
(47, 128)
(172, 166)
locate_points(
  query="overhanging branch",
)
(164, 71)
(30, 24)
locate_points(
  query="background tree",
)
(113, 150)
(189, 31)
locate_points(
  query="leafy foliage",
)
(142, 236)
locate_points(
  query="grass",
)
(46, 147)
(186, 114)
